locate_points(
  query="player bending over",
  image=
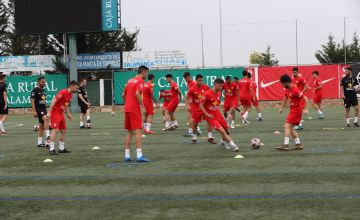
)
(194, 95)
(166, 96)
(58, 106)
(292, 93)
(171, 122)
(255, 100)
(230, 89)
(349, 95)
(210, 106)
(85, 106)
(38, 105)
(148, 99)
(301, 83)
(317, 99)
(133, 118)
(246, 96)
(3, 104)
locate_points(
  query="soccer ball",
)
(36, 128)
(357, 88)
(256, 143)
(112, 113)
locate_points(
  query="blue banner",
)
(109, 60)
(110, 15)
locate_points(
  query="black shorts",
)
(40, 113)
(3, 111)
(352, 101)
(83, 108)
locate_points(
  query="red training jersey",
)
(317, 83)
(148, 92)
(230, 90)
(295, 96)
(299, 81)
(254, 87)
(190, 83)
(63, 99)
(244, 88)
(196, 94)
(165, 95)
(174, 91)
(211, 101)
(131, 103)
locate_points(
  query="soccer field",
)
(184, 181)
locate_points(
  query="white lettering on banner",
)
(162, 82)
(10, 88)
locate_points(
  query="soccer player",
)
(189, 84)
(301, 83)
(349, 95)
(292, 93)
(58, 106)
(3, 104)
(38, 105)
(148, 98)
(166, 96)
(133, 118)
(246, 96)
(171, 122)
(192, 101)
(255, 100)
(231, 100)
(210, 106)
(317, 99)
(85, 106)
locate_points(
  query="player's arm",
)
(180, 94)
(306, 87)
(67, 111)
(320, 85)
(283, 104)
(123, 95)
(139, 98)
(53, 102)
(82, 99)
(202, 107)
(33, 106)
(5, 95)
(187, 97)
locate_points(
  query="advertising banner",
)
(270, 88)
(121, 78)
(38, 63)
(110, 15)
(98, 61)
(19, 88)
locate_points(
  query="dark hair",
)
(151, 77)
(316, 73)
(74, 83)
(245, 73)
(199, 76)
(142, 69)
(295, 69)
(285, 79)
(348, 68)
(162, 90)
(227, 78)
(249, 75)
(186, 74)
(219, 81)
(236, 78)
(2, 76)
(40, 78)
(82, 80)
(169, 76)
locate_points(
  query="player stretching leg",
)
(301, 83)
(292, 93)
(58, 106)
(133, 118)
(231, 100)
(317, 99)
(38, 105)
(148, 98)
(189, 84)
(349, 95)
(210, 106)
(166, 95)
(3, 104)
(255, 100)
(171, 122)
(84, 104)
(246, 96)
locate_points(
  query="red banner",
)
(271, 89)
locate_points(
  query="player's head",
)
(249, 75)
(169, 78)
(218, 84)
(143, 71)
(83, 82)
(74, 86)
(2, 78)
(187, 76)
(199, 79)
(151, 77)
(348, 71)
(41, 82)
(236, 79)
(245, 73)
(295, 71)
(228, 79)
(315, 74)
(285, 81)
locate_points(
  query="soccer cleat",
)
(188, 134)
(82, 127)
(142, 160)
(127, 159)
(199, 132)
(283, 148)
(260, 119)
(299, 147)
(53, 152)
(245, 121)
(211, 141)
(236, 149)
(356, 124)
(321, 116)
(194, 141)
(47, 143)
(41, 145)
(232, 125)
(64, 151)
(3, 133)
(299, 128)
(348, 125)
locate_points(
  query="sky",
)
(248, 25)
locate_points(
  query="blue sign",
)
(110, 15)
(98, 61)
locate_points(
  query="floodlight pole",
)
(345, 48)
(296, 42)
(73, 68)
(221, 35)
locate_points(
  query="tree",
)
(264, 59)
(331, 52)
(354, 49)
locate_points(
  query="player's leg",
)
(2, 122)
(295, 136)
(53, 135)
(40, 135)
(347, 115)
(287, 135)
(128, 145)
(174, 122)
(82, 125)
(356, 118)
(247, 109)
(233, 115)
(62, 149)
(167, 119)
(211, 138)
(191, 125)
(194, 131)
(88, 115)
(149, 120)
(226, 137)
(139, 155)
